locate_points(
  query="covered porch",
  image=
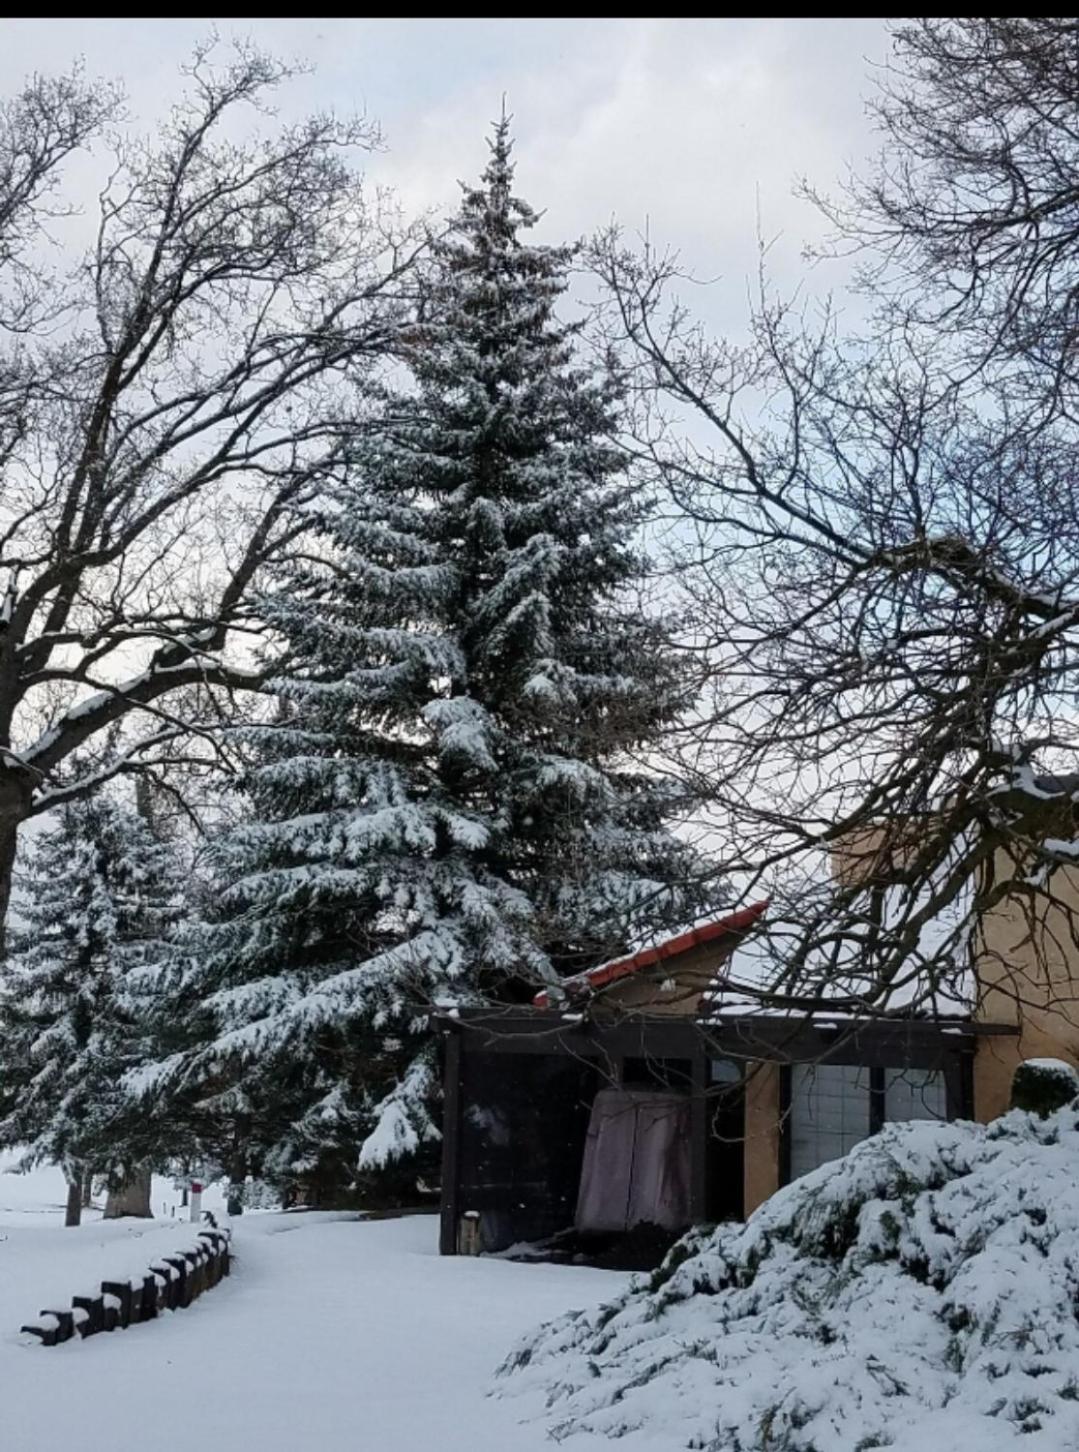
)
(759, 1099)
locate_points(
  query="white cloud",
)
(691, 127)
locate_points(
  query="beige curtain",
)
(636, 1161)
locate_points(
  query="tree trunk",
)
(87, 1189)
(16, 794)
(73, 1213)
(234, 1194)
(132, 1198)
(9, 827)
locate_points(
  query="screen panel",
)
(914, 1094)
(829, 1113)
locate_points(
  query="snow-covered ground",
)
(919, 1293)
(331, 1333)
(42, 1264)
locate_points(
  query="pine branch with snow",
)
(919, 1292)
(102, 899)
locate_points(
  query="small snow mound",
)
(1042, 1086)
(1059, 1067)
(920, 1292)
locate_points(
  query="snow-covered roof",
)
(606, 973)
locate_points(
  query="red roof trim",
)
(606, 973)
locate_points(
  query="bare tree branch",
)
(168, 405)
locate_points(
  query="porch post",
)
(451, 1136)
(698, 1138)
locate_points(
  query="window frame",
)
(958, 1071)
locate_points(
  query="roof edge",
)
(606, 973)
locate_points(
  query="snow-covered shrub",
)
(1041, 1086)
(919, 1293)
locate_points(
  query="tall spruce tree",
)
(446, 811)
(101, 897)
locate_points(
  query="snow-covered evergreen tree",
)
(100, 899)
(446, 811)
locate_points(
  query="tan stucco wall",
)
(1026, 962)
(761, 1173)
(686, 978)
(1026, 968)
(995, 1061)
(864, 855)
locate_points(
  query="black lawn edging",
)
(171, 1283)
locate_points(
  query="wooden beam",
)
(785, 1096)
(959, 1087)
(698, 1138)
(910, 1044)
(451, 1144)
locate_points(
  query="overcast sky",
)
(694, 128)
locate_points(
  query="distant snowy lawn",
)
(331, 1332)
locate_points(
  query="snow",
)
(1054, 1066)
(42, 1264)
(1023, 778)
(918, 1293)
(331, 1332)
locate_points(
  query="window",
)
(833, 1106)
(724, 1071)
(829, 1113)
(914, 1094)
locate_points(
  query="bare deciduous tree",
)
(167, 400)
(971, 220)
(883, 551)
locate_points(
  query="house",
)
(645, 1097)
